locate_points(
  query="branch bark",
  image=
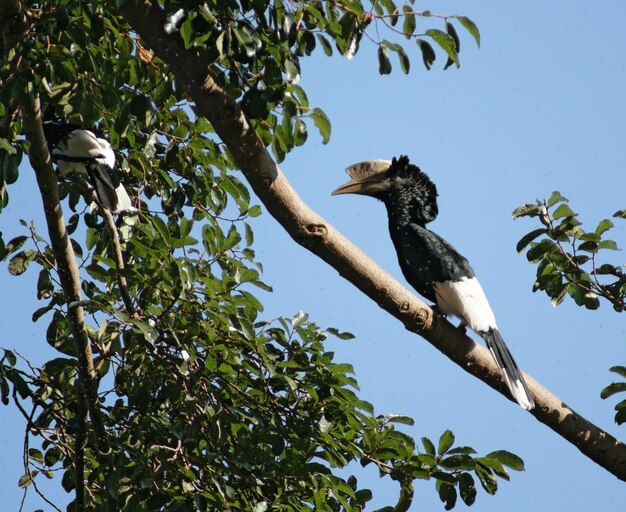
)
(310, 230)
(66, 267)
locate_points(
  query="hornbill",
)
(429, 263)
(79, 151)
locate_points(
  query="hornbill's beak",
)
(369, 178)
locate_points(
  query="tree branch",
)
(66, 261)
(313, 232)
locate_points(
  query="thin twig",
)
(119, 260)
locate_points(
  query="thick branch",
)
(65, 259)
(310, 230)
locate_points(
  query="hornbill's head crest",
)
(398, 183)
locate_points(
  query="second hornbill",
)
(429, 263)
(80, 151)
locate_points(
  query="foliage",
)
(205, 405)
(567, 255)
(568, 264)
(617, 387)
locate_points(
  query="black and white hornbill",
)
(80, 151)
(430, 264)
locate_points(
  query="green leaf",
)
(508, 459)
(408, 27)
(529, 237)
(559, 295)
(604, 225)
(35, 454)
(186, 32)
(255, 211)
(539, 250)
(299, 319)
(384, 63)
(620, 370)
(15, 244)
(458, 462)
(611, 389)
(398, 418)
(322, 123)
(620, 416)
(341, 335)
(446, 42)
(527, 210)
(428, 446)
(608, 244)
(445, 442)
(487, 479)
(44, 284)
(620, 214)
(20, 262)
(26, 479)
(161, 227)
(326, 46)
(292, 73)
(472, 28)
(563, 211)
(464, 450)
(53, 455)
(556, 197)
(6, 146)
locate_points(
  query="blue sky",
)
(540, 107)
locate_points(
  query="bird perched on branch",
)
(80, 151)
(429, 263)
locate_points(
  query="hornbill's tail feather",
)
(111, 192)
(105, 188)
(510, 371)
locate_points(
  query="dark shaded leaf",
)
(384, 63)
(428, 54)
(405, 63)
(467, 488)
(529, 237)
(457, 42)
(620, 370)
(611, 389)
(447, 494)
(341, 335)
(620, 416)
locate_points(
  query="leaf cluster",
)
(453, 469)
(568, 257)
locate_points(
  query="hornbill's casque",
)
(79, 151)
(430, 264)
